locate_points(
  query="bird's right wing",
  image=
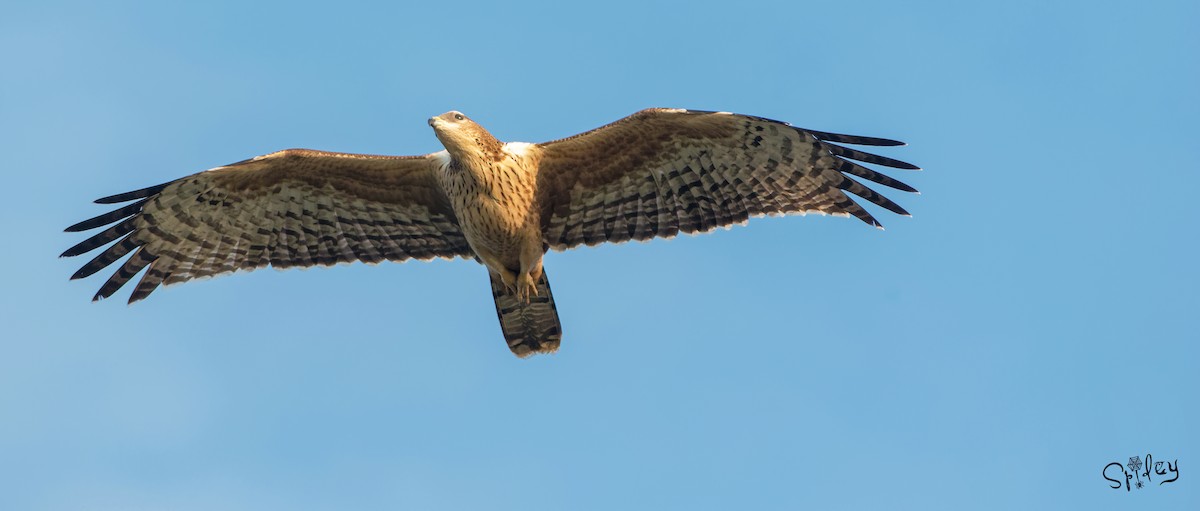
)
(660, 172)
(296, 207)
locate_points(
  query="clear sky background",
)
(1035, 320)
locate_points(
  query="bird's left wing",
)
(663, 171)
(296, 207)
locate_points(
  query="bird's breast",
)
(493, 202)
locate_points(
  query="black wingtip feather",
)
(866, 217)
(852, 139)
(850, 167)
(132, 266)
(874, 197)
(852, 154)
(136, 194)
(108, 218)
(107, 257)
(110, 234)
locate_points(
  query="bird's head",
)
(461, 135)
(449, 120)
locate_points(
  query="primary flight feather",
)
(653, 174)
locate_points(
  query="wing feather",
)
(107, 257)
(108, 218)
(849, 167)
(853, 139)
(865, 192)
(105, 237)
(660, 172)
(136, 194)
(290, 208)
(852, 154)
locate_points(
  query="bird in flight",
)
(655, 173)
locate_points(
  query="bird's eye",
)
(458, 117)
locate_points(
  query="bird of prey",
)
(655, 173)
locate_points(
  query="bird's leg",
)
(510, 280)
(496, 265)
(535, 273)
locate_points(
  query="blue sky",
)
(1034, 320)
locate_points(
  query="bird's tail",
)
(528, 327)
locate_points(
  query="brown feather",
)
(659, 172)
(290, 208)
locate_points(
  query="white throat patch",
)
(518, 149)
(442, 159)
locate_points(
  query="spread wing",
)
(290, 208)
(660, 172)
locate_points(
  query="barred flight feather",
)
(660, 172)
(291, 208)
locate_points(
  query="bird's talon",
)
(526, 288)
